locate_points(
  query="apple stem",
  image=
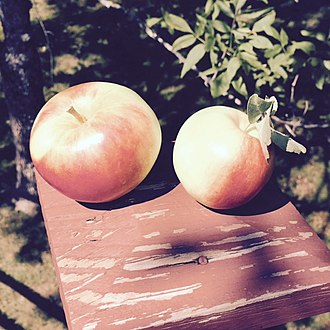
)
(72, 111)
(247, 127)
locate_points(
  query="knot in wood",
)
(202, 260)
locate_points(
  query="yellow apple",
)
(218, 158)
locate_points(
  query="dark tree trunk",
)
(22, 85)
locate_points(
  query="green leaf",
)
(233, 65)
(153, 21)
(257, 107)
(252, 60)
(326, 64)
(225, 8)
(200, 25)
(209, 42)
(286, 143)
(264, 22)
(272, 52)
(272, 32)
(221, 26)
(177, 23)
(184, 41)
(240, 86)
(213, 58)
(208, 7)
(284, 39)
(278, 64)
(216, 11)
(306, 46)
(250, 16)
(193, 57)
(320, 82)
(239, 4)
(260, 42)
(220, 85)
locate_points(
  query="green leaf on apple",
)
(257, 107)
(259, 113)
(286, 143)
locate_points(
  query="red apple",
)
(95, 142)
(218, 158)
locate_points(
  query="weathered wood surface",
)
(169, 262)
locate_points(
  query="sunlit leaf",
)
(250, 17)
(184, 41)
(272, 32)
(240, 4)
(320, 82)
(264, 22)
(153, 21)
(213, 58)
(240, 86)
(260, 42)
(306, 46)
(220, 85)
(221, 26)
(193, 57)
(177, 23)
(326, 64)
(284, 39)
(225, 9)
(216, 11)
(272, 52)
(233, 65)
(208, 7)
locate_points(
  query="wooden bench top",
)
(157, 258)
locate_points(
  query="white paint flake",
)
(278, 229)
(69, 278)
(121, 280)
(150, 215)
(320, 269)
(90, 326)
(111, 300)
(283, 273)
(246, 266)
(235, 239)
(153, 234)
(152, 247)
(121, 322)
(106, 263)
(215, 311)
(232, 227)
(290, 255)
(179, 230)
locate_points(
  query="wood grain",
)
(166, 261)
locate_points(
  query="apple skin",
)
(218, 158)
(103, 158)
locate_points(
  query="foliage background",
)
(85, 41)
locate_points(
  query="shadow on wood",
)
(162, 179)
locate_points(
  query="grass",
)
(28, 290)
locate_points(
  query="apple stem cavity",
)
(72, 111)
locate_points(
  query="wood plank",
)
(163, 260)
